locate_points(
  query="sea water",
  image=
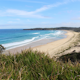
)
(11, 38)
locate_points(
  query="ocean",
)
(11, 38)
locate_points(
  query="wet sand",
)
(30, 45)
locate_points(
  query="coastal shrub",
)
(30, 65)
(73, 57)
(1, 48)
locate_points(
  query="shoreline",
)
(38, 38)
(39, 46)
(57, 47)
(29, 46)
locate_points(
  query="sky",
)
(23, 14)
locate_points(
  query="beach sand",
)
(57, 48)
(50, 47)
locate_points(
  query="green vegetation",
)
(1, 48)
(58, 28)
(31, 65)
(73, 57)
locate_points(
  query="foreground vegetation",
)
(1, 48)
(73, 57)
(31, 65)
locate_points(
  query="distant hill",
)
(58, 28)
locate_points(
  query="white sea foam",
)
(25, 42)
(35, 33)
(14, 44)
(55, 34)
(58, 33)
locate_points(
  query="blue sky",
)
(39, 13)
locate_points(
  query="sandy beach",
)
(56, 48)
(50, 47)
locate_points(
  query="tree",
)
(1, 48)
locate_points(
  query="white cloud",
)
(48, 7)
(15, 12)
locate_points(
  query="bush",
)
(1, 48)
(73, 57)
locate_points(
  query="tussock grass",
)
(31, 65)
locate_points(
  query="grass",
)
(31, 65)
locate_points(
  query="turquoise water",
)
(10, 38)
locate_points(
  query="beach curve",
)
(50, 48)
(58, 46)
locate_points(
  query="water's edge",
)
(39, 39)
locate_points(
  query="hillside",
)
(31, 65)
(58, 28)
